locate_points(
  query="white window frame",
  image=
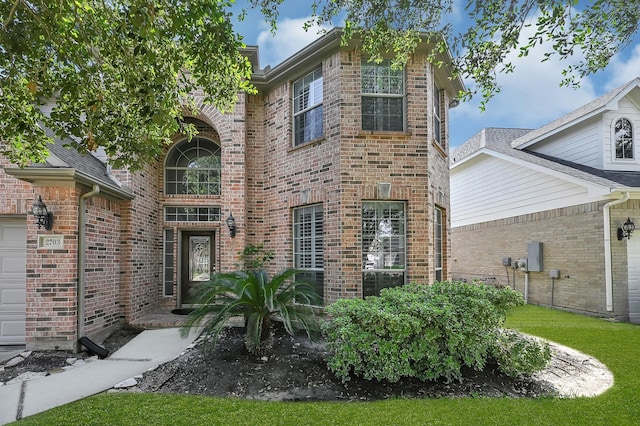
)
(308, 245)
(614, 140)
(438, 243)
(437, 115)
(383, 91)
(308, 98)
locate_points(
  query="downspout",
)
(608, 278)
(81, 255)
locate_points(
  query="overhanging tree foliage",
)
(120, 73)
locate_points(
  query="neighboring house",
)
(555, 197)
(338, 165)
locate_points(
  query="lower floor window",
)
(383, 245)
(437, 243)
(308, 245)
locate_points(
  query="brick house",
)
(338, 165)
(557, 197)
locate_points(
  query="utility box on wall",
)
(534, 256)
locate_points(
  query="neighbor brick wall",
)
(573, 243)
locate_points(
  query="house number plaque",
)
(50, 242)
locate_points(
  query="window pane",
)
(437, 235)
(382, 114)
(168, 262)
(383, 245)
(308, 93)
(308, 236)
(193, 167)
(199, 258)
(623, 134)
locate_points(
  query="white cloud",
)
(530, 97)
(624, 69)
(289, 38)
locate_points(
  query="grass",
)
(615, 344)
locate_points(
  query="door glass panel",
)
(199, 258)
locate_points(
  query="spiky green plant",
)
(257, 298)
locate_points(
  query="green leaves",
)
(425, 331)
(259, 299)
(112, 74)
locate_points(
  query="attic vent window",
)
(623, 137)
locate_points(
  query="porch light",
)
(231, 224)
(43, 217)
(626, 230)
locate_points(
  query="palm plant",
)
(259, 299)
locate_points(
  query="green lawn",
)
(615, 344)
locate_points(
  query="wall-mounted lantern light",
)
(43, 217)
(231, 224)
(626, 230)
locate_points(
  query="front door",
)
(197, 262)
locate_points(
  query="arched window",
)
(623, 137)
(193, 168)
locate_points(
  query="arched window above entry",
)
(623, 138)
(193, 167)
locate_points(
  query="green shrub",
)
(519, 355)
(422, 331)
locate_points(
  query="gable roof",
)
(498, 142)
(598, 105)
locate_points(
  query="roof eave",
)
(66, 177)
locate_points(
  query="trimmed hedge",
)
(427, 332)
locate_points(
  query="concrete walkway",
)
(146, 351)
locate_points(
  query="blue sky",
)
(530, 97)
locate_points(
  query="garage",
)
(13, 255)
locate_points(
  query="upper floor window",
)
(307, 107)
(193, 168)
(382, 96)
(623, 136)
(437, 114)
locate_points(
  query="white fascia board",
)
(471, 157)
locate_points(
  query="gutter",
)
(82, 261)
(608, 273)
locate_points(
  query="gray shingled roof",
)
(512, 143)
(86, 164)
(500, 141)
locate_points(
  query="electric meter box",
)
(534, 256)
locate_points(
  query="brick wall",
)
(52, 275)
(343, 169)
(17, 196)
(573, 242)
(102, 267)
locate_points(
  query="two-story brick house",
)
(337, 164)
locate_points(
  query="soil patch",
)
(296, 370)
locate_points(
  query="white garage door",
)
(13, 258)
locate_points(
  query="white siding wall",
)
(582, 144)
(487, 188)
(626, 109)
